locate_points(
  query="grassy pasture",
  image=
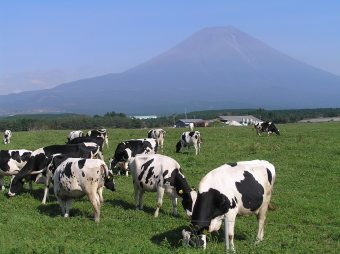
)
(306, 196)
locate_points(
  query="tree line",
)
(120, 120)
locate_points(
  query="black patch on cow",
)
(81, 163)
(144, 168)
(4, 159)
(67, 170)
(191, 133)
(16, 156)
(149, 175)
(208, 206)
(252, 191)
(82, 173)
(232, 164)
(270, 178)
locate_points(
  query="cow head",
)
(188, 201)
(109, 182)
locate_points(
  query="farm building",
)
(197, 123)
(239, 120)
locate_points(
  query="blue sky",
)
(46, 43)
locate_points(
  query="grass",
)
(306, 196)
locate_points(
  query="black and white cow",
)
(77, 177)
(159, 135)
(99, 133)
(188, 139)
(90, 139)
(242, 188)
(11, 162)
(7, 137)
(37, 161)
(160, 173)
(268, 127)
(74, 134)
(127, 150)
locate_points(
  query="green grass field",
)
(306, 197)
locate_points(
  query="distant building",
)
(239, 120)
(144, 117)
(197, 123)
(320, 120)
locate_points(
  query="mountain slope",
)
(219, 67)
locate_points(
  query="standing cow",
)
(188, 139)
(99, 133)
(160, 173)
(74, 134)
(243, 188)
(38, 161)
(77, 177)
(268, 127)
(127, 150)
(7, 137)
(159, 135)
(11, 162)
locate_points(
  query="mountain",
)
(218, 67)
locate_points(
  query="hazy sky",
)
(46, 43)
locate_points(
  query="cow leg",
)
(100, 194)
(231, 225)
(160, 194)
(93, 197)
(68, 205)
(46, 189)
(62, 205)
(261, 217)
(174, 204)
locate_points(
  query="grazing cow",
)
(189, 138)
(37, 161)
(74, 134)
(268, 127)
(77, 177)
(191, 126)
(99, 133)
(90, 139)
(7, 136)
(242, 188)
(159, 135)
(160, 173)
(11, 162)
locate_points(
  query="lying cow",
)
(74, 134)
(127, 150)
(159, 135)
(188, 139)
(37, 161)
(242, 188)
(160, 173)
(77, 177)
(11, 162)
(99, 133)
(268, 127)
(7, 137)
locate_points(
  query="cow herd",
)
(77, 169)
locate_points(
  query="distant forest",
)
(120, 120)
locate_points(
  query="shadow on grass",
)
(128, 206)
(54, 210)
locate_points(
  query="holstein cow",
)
(37, 161)
(77, 177)
(90, 139)
(7, 137)
(160, 173)
(188, 139)
(268, 127)
(127, 150)
(242, 188)
(11, 162)
(159, 135)
(99, 133)
(74, 134)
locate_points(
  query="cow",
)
(74, 134)
(191, 126)
(102, 133)
(160, 173)
(37, 162)
(7, 137)
(128, 149)
(77, 177)
(188, 139)
(90, 139)
(242, 188)
(268, 127)
(159, 135)
(11, 162)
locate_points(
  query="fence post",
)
(226, 237)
